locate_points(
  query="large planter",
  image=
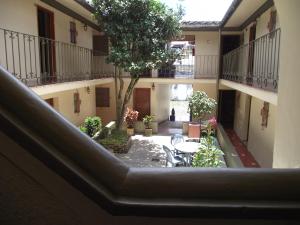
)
(130, 131)
(194, 131)
(148, 132)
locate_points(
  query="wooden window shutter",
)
(77, 103)
(50, 101)
(73, 32)
(102, 97)
(100, 45)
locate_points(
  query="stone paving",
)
(146, 151)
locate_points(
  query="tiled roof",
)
(199, 25)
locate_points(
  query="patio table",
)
(187, 148)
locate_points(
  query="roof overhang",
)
(242, 12)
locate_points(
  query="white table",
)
(187, 148)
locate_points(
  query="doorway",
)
(46, 44)
(226, 108)
(142, 102)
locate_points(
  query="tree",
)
(139, 32)
(200, 105)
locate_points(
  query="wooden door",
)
(141, 101)
(47, 44)
(226, 108)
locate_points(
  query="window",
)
(102, 97)
(100, 45)
(73, 32)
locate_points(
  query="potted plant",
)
(147, 120)
(200, 106)
(130, 118)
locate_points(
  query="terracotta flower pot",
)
(148, 132)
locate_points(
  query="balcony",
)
(39, 61)
(255, 64)
(190, 66)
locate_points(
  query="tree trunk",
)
(122, 103)
(119, 99)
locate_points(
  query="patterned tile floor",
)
(246, 157)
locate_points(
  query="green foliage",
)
(116, 142)
(104, 133)
(91, 125)
(139, 31)
(201, 105)
(147, 120)
(208, 155)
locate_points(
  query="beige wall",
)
(210, 89)
(163, 96)
(241, 115)
(287, 141)
(206, 43)
(108, 114)
(64, 104)
(261, 140)
(21, 17)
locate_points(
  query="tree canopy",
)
(139, 31)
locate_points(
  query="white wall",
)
(261, 139)
(287, 141)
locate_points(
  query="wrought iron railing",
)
(37, 61)
(256, 63)
(189, 66)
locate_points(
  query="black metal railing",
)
(37, 60)
(189, 66)
(256, 63)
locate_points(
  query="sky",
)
(201, 10)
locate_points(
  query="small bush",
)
(117, 142)
(208, 155)
(91, 125)
(104, 133)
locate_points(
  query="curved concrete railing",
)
(188, 192)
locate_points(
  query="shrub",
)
(208, 155)
(91, 125)
(131, 117)
(147, 120)
(200, 105)
(117, 141)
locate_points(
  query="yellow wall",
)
(261, 140)
(210, 89)
(108, 114)
(287, 141)
(241, 115)
(64, 104)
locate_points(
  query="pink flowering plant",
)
(130, 117)
(212, 125)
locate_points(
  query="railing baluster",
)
(5, 48)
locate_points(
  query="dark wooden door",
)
(47, 44)
(226, 108)
(141, 101)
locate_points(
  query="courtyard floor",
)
(146, 151)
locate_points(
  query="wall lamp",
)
(153, 86)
